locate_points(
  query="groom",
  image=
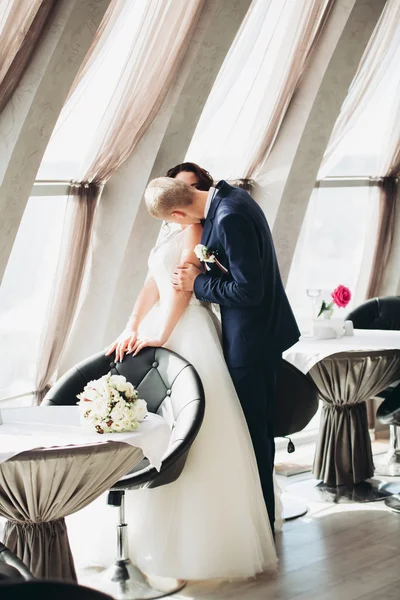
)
(257, 321)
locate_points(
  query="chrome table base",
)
(388, 465)
(313, 490)
(393, 503)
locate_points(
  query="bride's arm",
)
(147, 298)
(179, 300)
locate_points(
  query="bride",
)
(212, 522)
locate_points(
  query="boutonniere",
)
(206, 255)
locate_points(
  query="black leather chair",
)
(296, 404)
(296, 401)
(172, 388)
(384, 313)
(47, 590)
(11, 567)
(377, 313)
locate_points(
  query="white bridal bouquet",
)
(111, 405)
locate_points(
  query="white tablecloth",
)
(46, 426)
(310, 351)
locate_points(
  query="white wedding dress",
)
(212, 522)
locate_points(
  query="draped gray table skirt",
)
(40, 487)
(345, 381)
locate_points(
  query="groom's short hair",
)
(165, 195)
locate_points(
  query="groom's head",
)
(174, 200)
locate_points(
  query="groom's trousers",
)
(256, 387)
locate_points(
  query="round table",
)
(39, 486)
(347, 371)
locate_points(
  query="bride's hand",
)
(124, 343)
(146, 342)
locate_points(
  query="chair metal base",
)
(393, 503)
(292, 508)
(388, 465)
(313, 490)
(124, 581)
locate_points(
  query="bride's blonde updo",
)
(165, 195)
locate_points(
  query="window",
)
(26, 291)
(335, 246)
(339, 232)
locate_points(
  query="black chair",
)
(296, 404)
(384, 313)
(11, 567)
(377, 313)
(48, 590)
(172, 388)
(296, 401)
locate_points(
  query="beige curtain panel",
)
(309, 30)
(388, 190)
(345, 381)
(388, 198)
(41, 487)
(81, 207)
(22, 22)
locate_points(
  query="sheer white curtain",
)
(66, 156)
(342, 224)
(359, 140)
(366, 137)
(130, 69)
(255, 85)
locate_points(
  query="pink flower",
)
(341, 296)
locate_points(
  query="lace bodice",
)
(163, 259)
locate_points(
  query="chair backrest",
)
(172, 389)
(48, 590)
(11, 566)
(9, 573)
(296, 401)
(378, 313)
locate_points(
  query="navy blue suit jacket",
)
(256, 315)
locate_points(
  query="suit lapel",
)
(208, 225)
(221, 191)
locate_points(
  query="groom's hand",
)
(183, 277)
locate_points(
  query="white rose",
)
(130, 391)
(123, 387)
(102, 407)
(116, 415)
(117, 380)
(140, 408)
